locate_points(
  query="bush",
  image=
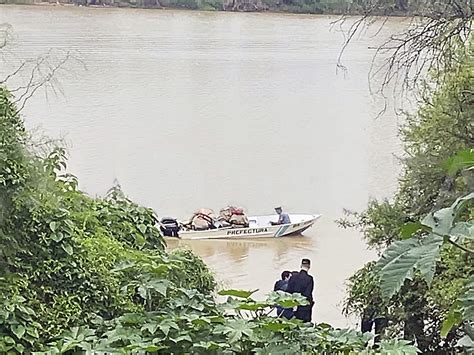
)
(193, 273)
(59, 248)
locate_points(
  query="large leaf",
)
(463, 230)
(210, 345)
(402, 258)
(18, 330)
(278, 324)
(160, 286)
(467, 343)
(286, 300)
(467, 300)
(237, 293)
(252, 306)
(442, 221)
(235, 329)
(397, 347)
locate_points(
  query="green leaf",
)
(397, 347)
(67, 248)
(467, 300)
(142, 228)
(152, 348)
(237, 293)
(252, 306)
(402, 258)
(217, 319)
(279, 349)
(166, 325)
(210, 345)
(140, 240)
(8, 340)
(123, 266)
(57, 237)
(410, 228)
(202, 321)
(132, 319)
(160, 286)
(53, 225)
(442, 221)
(151, 327)
(185, 337)
(466, 342)
(453, 318)
(235, 329)
(142, 292)
(165, 329)
(19, 330)
(20, 348)
(463, 230)
(33, 332)
(286, 300)
(461, 160)
(277, 325)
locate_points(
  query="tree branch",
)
(467, 250)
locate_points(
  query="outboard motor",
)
(169, 227)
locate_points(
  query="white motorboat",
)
(259, 227)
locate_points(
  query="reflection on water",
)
(258, 263)
(237, 250)
(197, 109)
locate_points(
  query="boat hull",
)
(259, 227)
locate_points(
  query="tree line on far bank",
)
(386, 7)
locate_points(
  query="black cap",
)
(305, 262)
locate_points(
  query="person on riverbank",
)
(304, 284)
(283, 217)
(282, 285)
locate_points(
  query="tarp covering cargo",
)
(233, 216)
(202, 219)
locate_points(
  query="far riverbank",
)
(280, 6)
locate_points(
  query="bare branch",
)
(437, 32)
(5, 34)
(45, 80)
(40, 72)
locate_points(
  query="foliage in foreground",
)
(420, 250)
(194, 323)
(59, 248)
(419, 279)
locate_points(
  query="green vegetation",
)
(82, 274)
(59, 248)
(428, 255)
(376, 7)
(193, 323)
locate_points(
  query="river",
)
(200, 109)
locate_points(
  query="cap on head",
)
(306, 262)
(278, 208)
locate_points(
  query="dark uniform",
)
(282, 285)
(302, 283)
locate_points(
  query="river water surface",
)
(201, 109)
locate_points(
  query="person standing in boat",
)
(304, 284)
(282, 285)
(283, 217)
